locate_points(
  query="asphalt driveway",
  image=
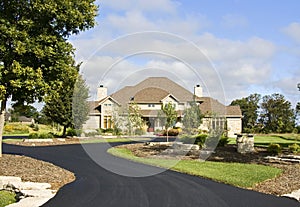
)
(96, 186)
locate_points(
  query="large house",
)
(150, 94)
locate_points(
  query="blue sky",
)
(231, 47)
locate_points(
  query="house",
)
(150, 94)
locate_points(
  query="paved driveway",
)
(96, 186)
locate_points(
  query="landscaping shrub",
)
(274, 148)
(294, 148)
(200, 139)
(33, 136)
(171, 132)
(46, 136)
(40, 136)
(223, 141)
(16, 129)
(71, 132)
(7, 198)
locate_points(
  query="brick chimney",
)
(101, 92)
(198, 91)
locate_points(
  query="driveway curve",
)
(95, 186)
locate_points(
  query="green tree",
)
(170, 116)
(58, 103)
(249, 107)
(23, 110)
(80, 107)
(135, 117)
(33, 46)
(192, 117)
(277, 114)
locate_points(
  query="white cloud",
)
(293, 31)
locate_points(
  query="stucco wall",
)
(92, 123)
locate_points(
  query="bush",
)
(171, 132)
(7, 198)
(40, 136)
(200, 139)
(223, 141)
(16, 129)
(33, 136)
(294, 148)
(46, 136)
(274, 148)
(71, 132)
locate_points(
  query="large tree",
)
(277, 114)
(58, 102)
(34, 50)
(249, 107)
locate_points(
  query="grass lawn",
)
(237, 174)
(6, 198)
(265, 139)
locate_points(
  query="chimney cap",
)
(198, 85)
(101, 86)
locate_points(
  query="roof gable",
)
(124, 95)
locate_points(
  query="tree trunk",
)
(2, 120)
(64, 131)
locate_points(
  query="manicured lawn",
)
(265, 139)
(6, 198)
(237, 174)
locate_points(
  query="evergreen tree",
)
(192, 117)
(80, 107)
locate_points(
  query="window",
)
(151, 105)
(107, 122)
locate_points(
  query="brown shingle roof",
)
(212, 106)
(150, 95)
(92, 107)
(124, 95)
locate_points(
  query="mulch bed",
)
(33, 170)
(287, 182)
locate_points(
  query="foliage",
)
(171, 132)
(6, 198)
(23, 110)
(274, 148)
(198, 139)
(34, 52)
(192, 117)
(12, 128)
(277, 114)
(135, 121)
(45, 135)
(294, 148)
(237, 174)
(58, 102)
(223, 141)
(72, 132)
(168, 116)
(80, 107)
(249, 107)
